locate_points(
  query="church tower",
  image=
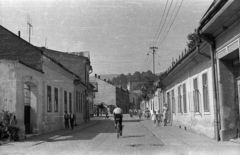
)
(129, 85)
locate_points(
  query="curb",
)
(152, 132)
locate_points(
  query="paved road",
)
(138, 138)
(97, 139)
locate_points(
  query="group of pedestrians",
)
(136, 112)
(69, 118)
(158, 117)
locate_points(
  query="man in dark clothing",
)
(66, 120)
(72, 120)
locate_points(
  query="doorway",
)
(27, 109)
(30, 108)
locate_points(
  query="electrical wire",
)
(169, 8)
(156, 36)
(171, 23)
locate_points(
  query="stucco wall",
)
(106, 93)
(201, 122)
(13, 75)
(56, 77)
(8, 84)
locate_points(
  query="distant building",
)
(133, 97)
(110, 94)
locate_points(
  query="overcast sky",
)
(118, 33)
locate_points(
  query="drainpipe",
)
(211, 42)
(203, 54)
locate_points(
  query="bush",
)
(7, 129)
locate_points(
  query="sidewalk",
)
(41, 138)
(182, 139)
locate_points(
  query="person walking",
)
(147, 114)
(154, 118)
(75, 120)
(71, 120)
(106, 114)
(158, 116)
(66, 120)
(165, 114)
(139, 114)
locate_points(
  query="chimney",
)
(99, 76)
(19, 34)
(105, 80)
(95, 75)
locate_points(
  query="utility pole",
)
(29, 25)
(153, 48)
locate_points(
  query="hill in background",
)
(107, 76)
(137, 79)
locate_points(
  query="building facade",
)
(220, 28)
(42, 89)
(133, 97)
(79, 63)
(201, 88)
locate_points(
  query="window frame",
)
(173, 101)
(49, 98)
(56, 99)
(65, 99)
(180, 99)
(196, 98)
(184, 94)
(205, 88)
(70, 102)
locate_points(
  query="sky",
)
(117, 33)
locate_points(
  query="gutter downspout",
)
(203, 54)
(215, 96)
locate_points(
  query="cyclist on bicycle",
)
(117, 113)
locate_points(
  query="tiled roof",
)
(12, 47)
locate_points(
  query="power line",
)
(156, 36)
(163, 22)
(168, 21)
(171, 23)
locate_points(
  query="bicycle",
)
(119, 132)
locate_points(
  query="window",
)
(56, 99)
(70, 102)
(195, 95)
(26, 95)
(81, 101)
(179, 99)
(205, 93)
(76, 101)
(65, 101)
(49, 99)
(173, 101)
(184, 98)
